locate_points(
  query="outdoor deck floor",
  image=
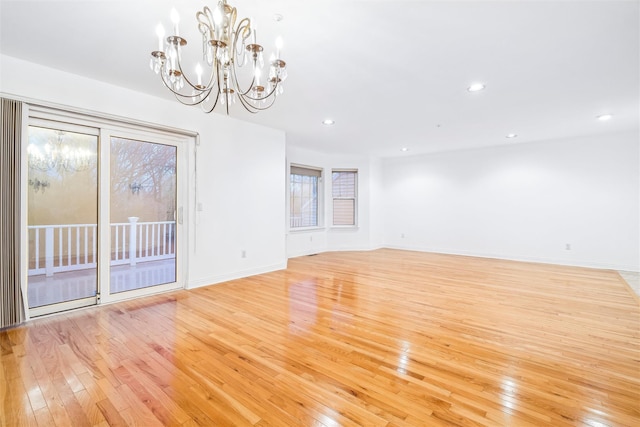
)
(79, 284)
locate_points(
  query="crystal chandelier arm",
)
(253, 109)
(166, 70)
(234, 78)
(245, 98)
(213, 79)
(215, 103)
(246, 95)
(197, 87)
(186, 99)
(168, 86)
(205, 22)
(241, 34)
(199, 98)
(245, 101)
(233, 15)
(271, 97)
(254, 48)
(179, 95)
(213, 106)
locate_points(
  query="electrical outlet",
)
(567, 246)
(402, 235)
(243, 254)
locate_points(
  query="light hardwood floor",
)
(381, 338)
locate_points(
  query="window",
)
(304, 185)
(344, 196)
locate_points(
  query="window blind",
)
(344, 196)
(299, 170)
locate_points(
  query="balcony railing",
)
(69, 247)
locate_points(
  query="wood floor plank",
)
(44, 417)
(31, 384)
(379, 338)
(128, 375)
(174, 412)
(91, 407)
(111, 415)
(17, 408)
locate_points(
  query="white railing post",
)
(132, 239)
(48, 251)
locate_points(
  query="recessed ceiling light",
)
(404, 149)
(328, 122)
(604, 117)
(278, 17)
(512, 135)
(476, 87)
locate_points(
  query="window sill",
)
(306, 229)
(318, 229)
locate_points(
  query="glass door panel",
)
(62, 216)
(142, 214)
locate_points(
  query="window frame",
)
(319, 173)
(354, 198)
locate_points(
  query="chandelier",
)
(58, 156)
(226, 48)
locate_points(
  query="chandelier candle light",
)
(226, 47)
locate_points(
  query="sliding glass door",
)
(62, 217)
(102, 215)
(143, 214)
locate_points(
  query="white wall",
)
(525, 202)
(328, 238)
(376, 209)
(240, 169)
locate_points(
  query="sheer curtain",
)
(11, 298)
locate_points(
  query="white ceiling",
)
(391, 73)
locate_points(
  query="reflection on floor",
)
(79, 284)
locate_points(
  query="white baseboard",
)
(305, 253)
(212, 280)
(344, 249)
(542, 260)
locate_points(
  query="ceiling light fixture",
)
(328, 122)
(512, 135)
(475, 87)
(604, 117)
(404, 149)
(227, 47)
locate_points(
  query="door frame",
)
(72, 128)
(106, 127)
(106, 133)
